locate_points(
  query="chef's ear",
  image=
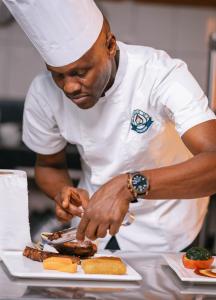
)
(111, 44)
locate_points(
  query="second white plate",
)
(174, 260)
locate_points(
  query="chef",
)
(141, 123)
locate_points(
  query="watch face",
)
(140, 183)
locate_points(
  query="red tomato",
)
(197, 264)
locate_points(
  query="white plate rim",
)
(55, 275)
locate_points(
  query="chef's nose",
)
(71, 85)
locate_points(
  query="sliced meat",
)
(81, 249)
(54, 236)
(38, 255)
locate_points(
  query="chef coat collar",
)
(123, 60)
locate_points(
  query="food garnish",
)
(206, 272)
(197, 258)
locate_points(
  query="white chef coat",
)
(137, 125)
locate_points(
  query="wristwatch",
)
(138, 184)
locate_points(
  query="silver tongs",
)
(69, 234)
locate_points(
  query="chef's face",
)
(85, 80)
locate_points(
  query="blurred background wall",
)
(182, 31)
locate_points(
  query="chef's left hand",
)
(106, 209)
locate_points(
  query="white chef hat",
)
(61, 30)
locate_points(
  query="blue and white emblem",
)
(140, 121)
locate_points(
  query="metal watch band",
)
(130, 188)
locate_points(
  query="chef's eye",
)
(58, 76)
(80, 73)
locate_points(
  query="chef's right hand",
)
(70, 202)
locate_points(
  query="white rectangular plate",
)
(174, 260)
(22, 267)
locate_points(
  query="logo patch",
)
(140, 121)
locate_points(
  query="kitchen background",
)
(182, 31)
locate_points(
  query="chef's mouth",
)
(78, 98)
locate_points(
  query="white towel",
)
(14, 213)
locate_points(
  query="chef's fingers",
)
(70, 195)
(74, 210)
(84, 197)
(91, 230)
(114, 228)
(62, 215)
(81, 230)
(102, 230)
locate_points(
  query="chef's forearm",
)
(195, 177)
(51, 180)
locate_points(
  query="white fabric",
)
(61, 30)
(162, 87)
(8, 288)
(14, 214)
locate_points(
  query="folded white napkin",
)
(14, 213)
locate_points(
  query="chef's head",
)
(85, 80)
(75, 42)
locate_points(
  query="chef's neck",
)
(115, 64)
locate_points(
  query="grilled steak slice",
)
(39, 255)
(81, 249)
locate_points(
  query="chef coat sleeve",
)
(40, 130)
(181, 96)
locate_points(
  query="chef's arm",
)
(195, 177)
(51, 173)
(52, 177)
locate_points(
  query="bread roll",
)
(104, 265)
(62, 264)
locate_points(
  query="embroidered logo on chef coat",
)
(140, 121)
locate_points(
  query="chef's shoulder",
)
(161, 75)
(153, 62)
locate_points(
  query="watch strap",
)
(130, 187)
